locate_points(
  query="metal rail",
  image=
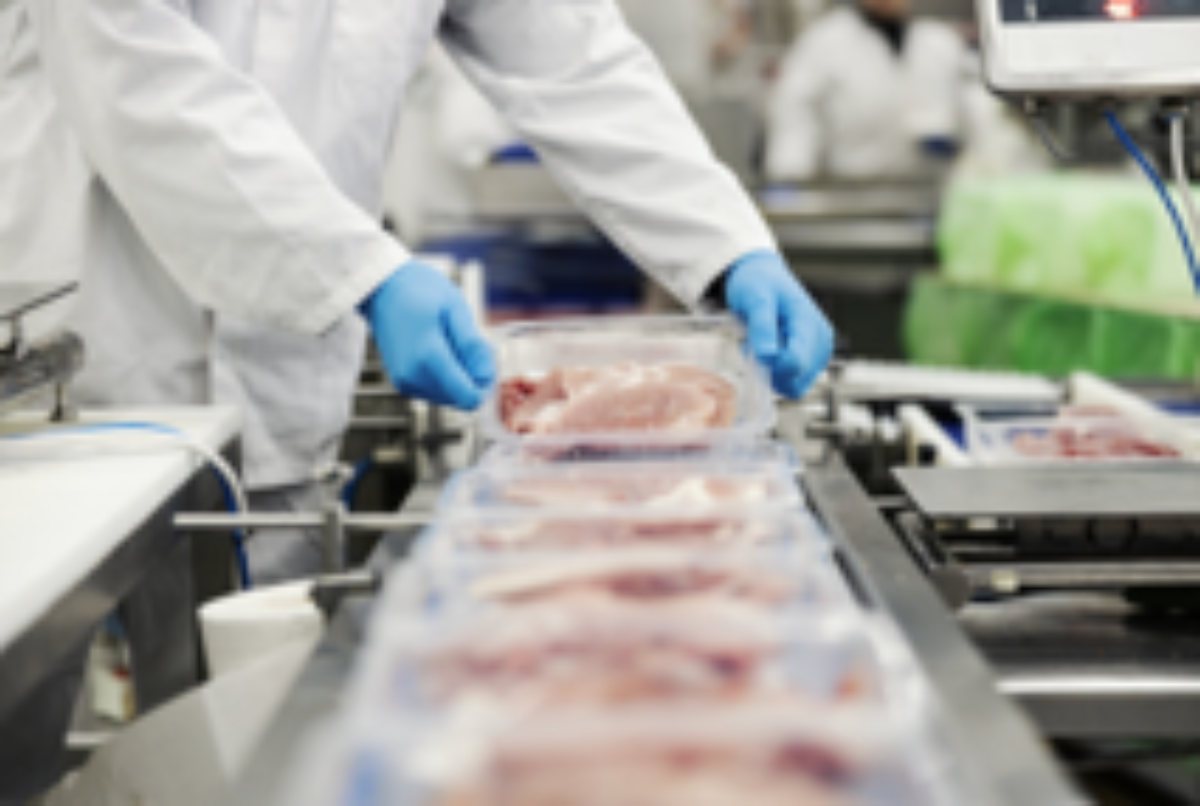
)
(202, 522)
(998, 747)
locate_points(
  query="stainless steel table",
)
(82, 598)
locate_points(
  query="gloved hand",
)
(427, 338)
(787, 331)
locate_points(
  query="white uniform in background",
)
(847, 106)
(213, 170)
(448, 131)
(681, 34)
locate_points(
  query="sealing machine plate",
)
(1145, 491)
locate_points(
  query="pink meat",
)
(1097, 441)
(687, 586)
(680, 773)
(611, 533)
(597, 655)
(639, 489)
(622, 398)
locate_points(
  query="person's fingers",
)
(443, 379)
(472, 349)
(762, 327)
(808, 347)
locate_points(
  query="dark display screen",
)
(1051, 11)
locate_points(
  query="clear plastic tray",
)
(516, 531)
(803, 754)
(713, 343)
(557, 451)
(801, 579)
(1074, 438)
(606, 485)
(553, 661)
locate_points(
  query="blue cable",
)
(1157, 181)
(239, 541)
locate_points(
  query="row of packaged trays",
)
(471, 647)
(786, 685)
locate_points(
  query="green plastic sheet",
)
(950, 323)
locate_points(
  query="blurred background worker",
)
(868, 92)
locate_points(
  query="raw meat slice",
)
(680, 771)
(633, 578)
(639, 489)
(602, 654)
(715, 531)
(621, 398)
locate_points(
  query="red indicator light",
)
(1121, 9)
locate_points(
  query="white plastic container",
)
(568, 529)
(558, 451)
(602, 486)
(555, 661)
(800, 754)
(713, 343)
(801, 579)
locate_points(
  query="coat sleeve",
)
(588, 96)
(794, 114)
(206, 165)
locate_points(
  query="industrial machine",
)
(1086, 49)
(32, 369)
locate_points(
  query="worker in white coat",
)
(865, 93)
(213, 169)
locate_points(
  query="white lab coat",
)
(447, 134)
(846, 106)
(213, 171)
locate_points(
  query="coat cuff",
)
(346, 291)
(693, 290)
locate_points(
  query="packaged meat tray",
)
(573, 527)
(606, 485)
(802, 755)
(600, 657)
(800, 579)
(647, 376)
(558, 451)
(1070, 437)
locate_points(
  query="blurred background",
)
(925, 214)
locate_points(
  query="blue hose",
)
(1163, 194)
(239, 542)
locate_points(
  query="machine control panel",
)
(1053, 49)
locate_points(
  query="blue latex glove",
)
(787, 331)
(430, 346)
